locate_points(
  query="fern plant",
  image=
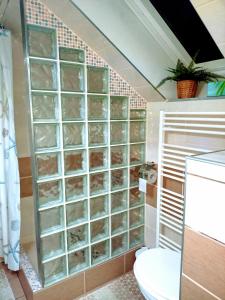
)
(190, 72)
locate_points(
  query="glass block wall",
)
(88, 147)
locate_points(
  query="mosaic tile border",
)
(37, 13)
(30, 273)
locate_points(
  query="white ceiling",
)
(212, 13)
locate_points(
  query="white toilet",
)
(158, 274)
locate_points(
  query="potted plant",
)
(188, 77)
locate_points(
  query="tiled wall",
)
(80, 284)
(151, 215)
(25, 177)
(203, 267)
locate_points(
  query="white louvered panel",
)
(171, 164)
(169, 241)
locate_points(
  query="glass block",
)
(44, 107)
(136, 197)
(98, 158)
(118, 201)
(137, 154)
(73, 107)
(99, 229)
(99, 252)
(136, 216)
(76, 187)
(119, 244)
(118, 223)
(72, 77)
(43, 75)
(97, 107)
(78, 260)
(74, 161)
(54, 270)
(118, 156)
(46, 136)
(97, 134)
(97, 80)
(118, 179)
(52, 245)
(49, 193)
(73, 135)
(118, 132)
(137, 131)
(118, 108)
(137, 114)
(134, 175)
(51, 219)
(136, 236)
(42, 41)
(98, 183)
(77, 236)
(76, 212)
(47, 165)
(98, 206)
(71, 54)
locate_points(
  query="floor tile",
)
(122, 288)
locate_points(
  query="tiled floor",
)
(14, 283)
(122, 288)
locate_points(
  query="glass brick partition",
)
(87, 150)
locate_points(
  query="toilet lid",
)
(158, 272)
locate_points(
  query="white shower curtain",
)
(9, 174)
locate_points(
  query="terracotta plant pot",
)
(186, 88)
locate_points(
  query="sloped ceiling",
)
(131, 27)
(212, 13)
(72, 16)
(139, 32)
(132, 37)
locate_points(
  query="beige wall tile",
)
(27, 233)
(16, 287)
(151, 195)
(26, 188)
(129, 260)
(25, 285)
(68, 289)
(204, 261)
(150, 237)
(101, 274)
(173, 185)
(25, 166)
(191, 291)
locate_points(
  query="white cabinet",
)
(205, 194)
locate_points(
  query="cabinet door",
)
(205, 206)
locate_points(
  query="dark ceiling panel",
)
(189, 29)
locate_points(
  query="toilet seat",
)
(158, 273)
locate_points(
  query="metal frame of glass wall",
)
(85, 161)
